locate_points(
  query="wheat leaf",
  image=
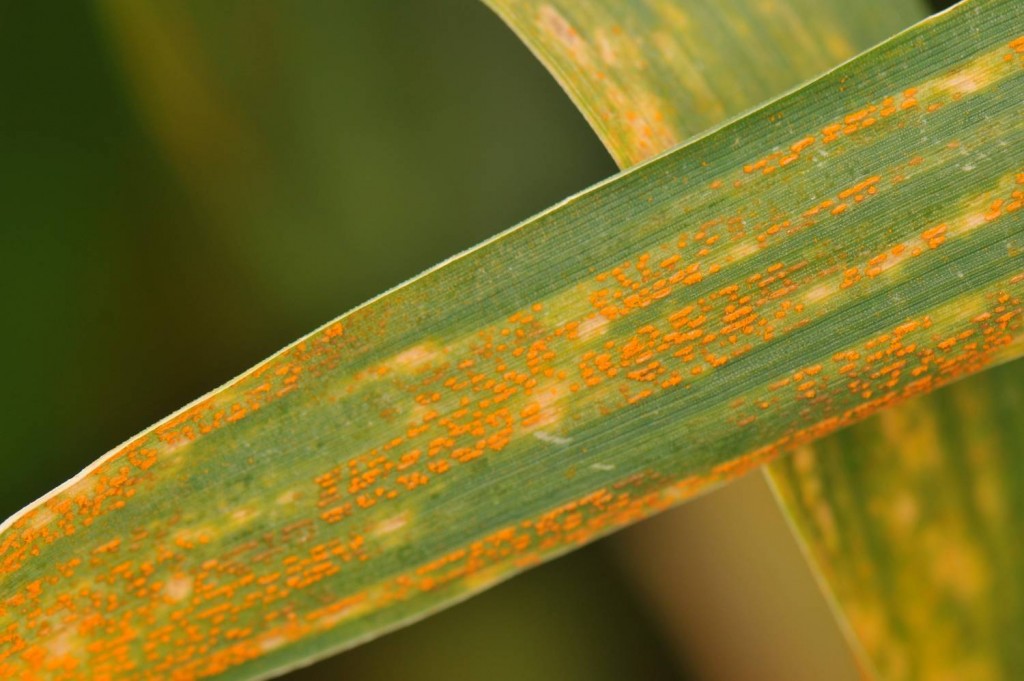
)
(635, 345)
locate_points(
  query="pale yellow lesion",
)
(243, 515)
(978, 74)
(415, 358)
(560, 32)
(179, 586)
(592, 327)
(391, 524)
(821, 292)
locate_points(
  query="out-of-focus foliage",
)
(650, 74)
(920, 541)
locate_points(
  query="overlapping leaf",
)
(920, 543)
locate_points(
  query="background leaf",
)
(649, 74)
(920, 543)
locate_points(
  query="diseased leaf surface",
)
(635, 345)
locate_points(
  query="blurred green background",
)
(189, 186)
